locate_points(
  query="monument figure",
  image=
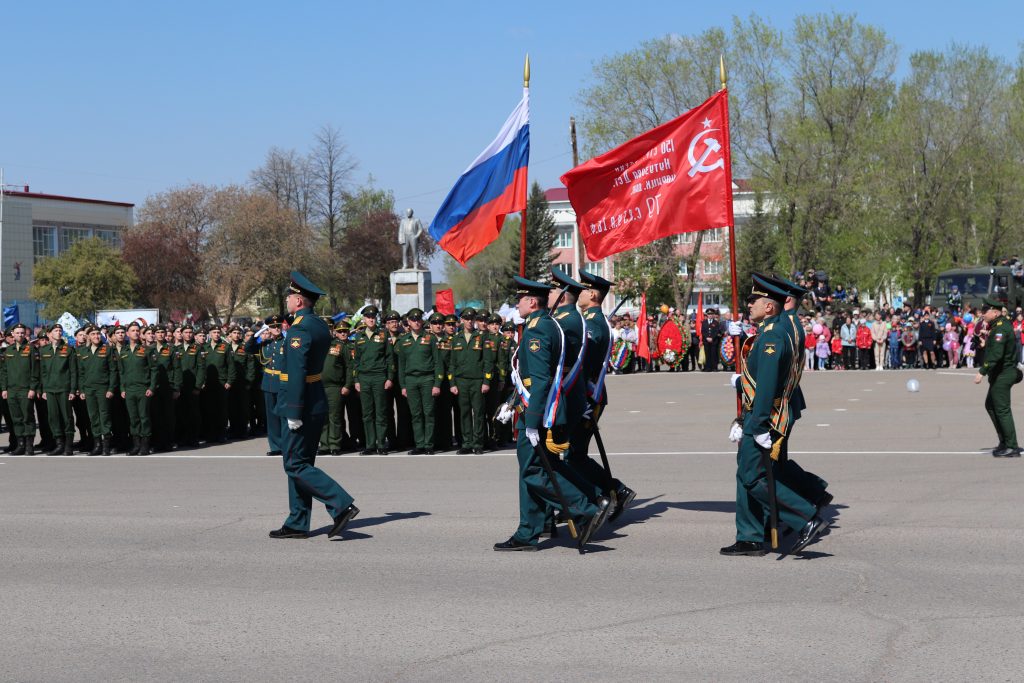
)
(409, 231)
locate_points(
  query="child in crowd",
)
(821, 351)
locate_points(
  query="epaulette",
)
(561, 315)
(533, 324)
(769, 327)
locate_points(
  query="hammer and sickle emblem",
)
(711, 146)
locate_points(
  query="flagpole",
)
(732, 232)
(522, 227)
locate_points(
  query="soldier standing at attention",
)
(168, 389)
(188, 366)
(1000, 367)
(138, 383)
(353, 408)
(268, 349)
(337, 379)
(81, 413)
(98, 381)
(374, 374)
(240, 373)
(399, 420)
(492, 342)
(470, 371)
(303, 405)
(216, 387)
(19, 380)
(420, 373)
(541, 426)
(506, 349)
(118, 410)
(58, 378)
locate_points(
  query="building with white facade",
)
(36, 226)
(712, 265)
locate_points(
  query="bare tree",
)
(289, 179)
(331, 166)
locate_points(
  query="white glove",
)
(533, 435)
(505, 414)
(263, 330)
(735, 433)
(764, 440)
(735, 379)
(734, 329)
(294, 424)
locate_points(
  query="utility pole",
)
(577, 250)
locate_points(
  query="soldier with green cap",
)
(337, 386)
(58, 378)
(1000, 366)
(766, 385)
(449, 433)
(541, 424)
(506, 349)
(303, 405)
(240, 373)
(353, 408)
(494, 397)
(167, 392)
(189, 372)
(373, 373)
(399, 420)
(19, 381)
(471, 372)
(420, 373)
(137, 374)
(98, 382)
(216, 385)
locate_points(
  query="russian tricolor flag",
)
(493, 186)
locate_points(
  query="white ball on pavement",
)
(913, 386)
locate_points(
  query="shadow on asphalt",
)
(350, 534)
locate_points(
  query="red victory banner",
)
(444, 301)
(674, 178)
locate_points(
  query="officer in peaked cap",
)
(374, 373)
(766, 416)
(1000, 366)
(447, 426)
(420, 373)
(599, 346)
(303, 405)
(337, 377)
(399, 420)
(541, 424)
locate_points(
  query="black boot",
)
(106, 446)
(97, 447)
(29, 445)
(69, 446)
(144, 446)
(19, 447)
(134, 450)
(57, 449)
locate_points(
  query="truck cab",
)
(996, 282)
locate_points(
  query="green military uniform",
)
(446, 413)
(506, 350)
(539, 362)
(1000, 366)
(336, 376)
(470, 368)
(302, 401)
(493, 398)
(215, 400)
(420, 372)
(58, 378)
(98, 380)
(373, 365)
(767, 385)
(137, 374)
(168, 383)
(241, 372)
(19, 375)
(189, 366)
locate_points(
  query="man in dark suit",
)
(303, 404)
(711, 332)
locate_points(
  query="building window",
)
(595, 268)
(42, 242)
(713, 235)
(565, 268)
(68, 237)
(563, 238)
(683, 269)
(712, 267)
(684, 237)
(111, 237)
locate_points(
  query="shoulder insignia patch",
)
(295, 343)
(769, 349)
(561, 315)
(534, 345)
(533, 324)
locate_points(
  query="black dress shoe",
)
(478, 451)
(382, 451)
(623, 497)
(513, 544)
(416, 451)
(824, 501)
(1005, 452)
(429, 451)
(341, 520)
(368, 451)
(273, 452)
(464, 451)
(1014, 453)
(998, 448)
(811, 531)
(595, 523)
(751, 548)
(288, 532)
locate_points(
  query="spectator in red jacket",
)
(863, 344)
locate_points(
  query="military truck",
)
(974, 284)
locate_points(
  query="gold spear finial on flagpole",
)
(526, 72)
(721, 69)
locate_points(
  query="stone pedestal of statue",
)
(411, 289)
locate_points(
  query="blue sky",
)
(121, 100)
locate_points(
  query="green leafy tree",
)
(88, 277)
(755, 244)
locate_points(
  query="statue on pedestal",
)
(409, 231)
